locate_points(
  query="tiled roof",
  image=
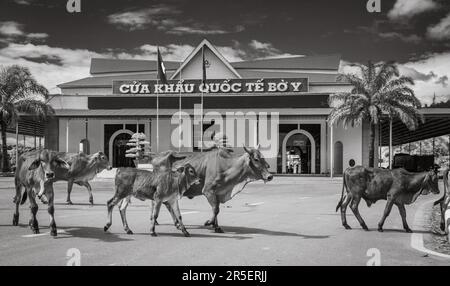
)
(325, 62)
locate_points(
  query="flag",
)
(161, 69)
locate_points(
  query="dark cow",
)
(35, 173)
(165, 186)
(220, 171)
(83, 168)
(445, 200)
(397, 186)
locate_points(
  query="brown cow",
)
(83, 168)
(163, 186)
(36, 172)
(397, 186)
(220, 171)
(445, 200)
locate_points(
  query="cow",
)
(397, 186)
(444, 202)
(162, 186)
(35, 173)
(83, 168)
(220, 171)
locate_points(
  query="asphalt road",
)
(289, 221)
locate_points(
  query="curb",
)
(417, 238)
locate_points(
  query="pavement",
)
(289, 221)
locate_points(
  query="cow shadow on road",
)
(251, 230)
(90, 232)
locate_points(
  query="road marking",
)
(417, 238)
(304, 198)
(192, 212)
(255, 204)
(43, 234)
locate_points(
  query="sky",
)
(57, 45)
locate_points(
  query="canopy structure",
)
(437, 123)
(28, 126)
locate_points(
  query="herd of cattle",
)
(214, 174)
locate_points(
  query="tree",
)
(20, 94)
(377, 91)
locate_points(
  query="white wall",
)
(351, 139)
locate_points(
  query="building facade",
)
(122, 97)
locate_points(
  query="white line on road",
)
(255, 204)
(192, 212)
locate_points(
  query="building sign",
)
(215, 86)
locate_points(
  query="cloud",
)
(405, 9)
(166, 18)
(266, 50)
(398, 36)
(23, 2)
(11, 28)
(430, 74)
(440, 31)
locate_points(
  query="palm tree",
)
(20, 93)
(378, 91)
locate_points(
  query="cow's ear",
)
(180, 169)
(63, 164)
(35, 164)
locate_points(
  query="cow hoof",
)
(347, 226)
(53, 232)
(16, 220)
(69, 203)
(186, 234)
(365, 227)
(380, 229)
(208, 223)
(218, 230)
(408, 230)
(105, 228)
(156, 222)
(129, 231)
(91, 201)
(153, 234)
(36, 230)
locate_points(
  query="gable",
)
(218, 67)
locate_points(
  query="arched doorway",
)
(299, 153)
(338, 158)
(117, 149)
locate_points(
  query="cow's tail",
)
(445, 177)
(344, 187)
(24, 198)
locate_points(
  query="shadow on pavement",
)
(251, 230)
(90, 232)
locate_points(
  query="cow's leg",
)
(387, 211)
(34, 225)
(354, 207)
(123, 214)
(152, 205)
(69, 190)
(155, 212)
(174, 217)
(49, 193)
(344, 205)
(17, 199)
(402, 210)
(110, 206)
(177, 214)
(215, 205)
(89, 189)
(442, 208)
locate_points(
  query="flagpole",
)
(179, 116)
(157, 103)
(201, 99)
